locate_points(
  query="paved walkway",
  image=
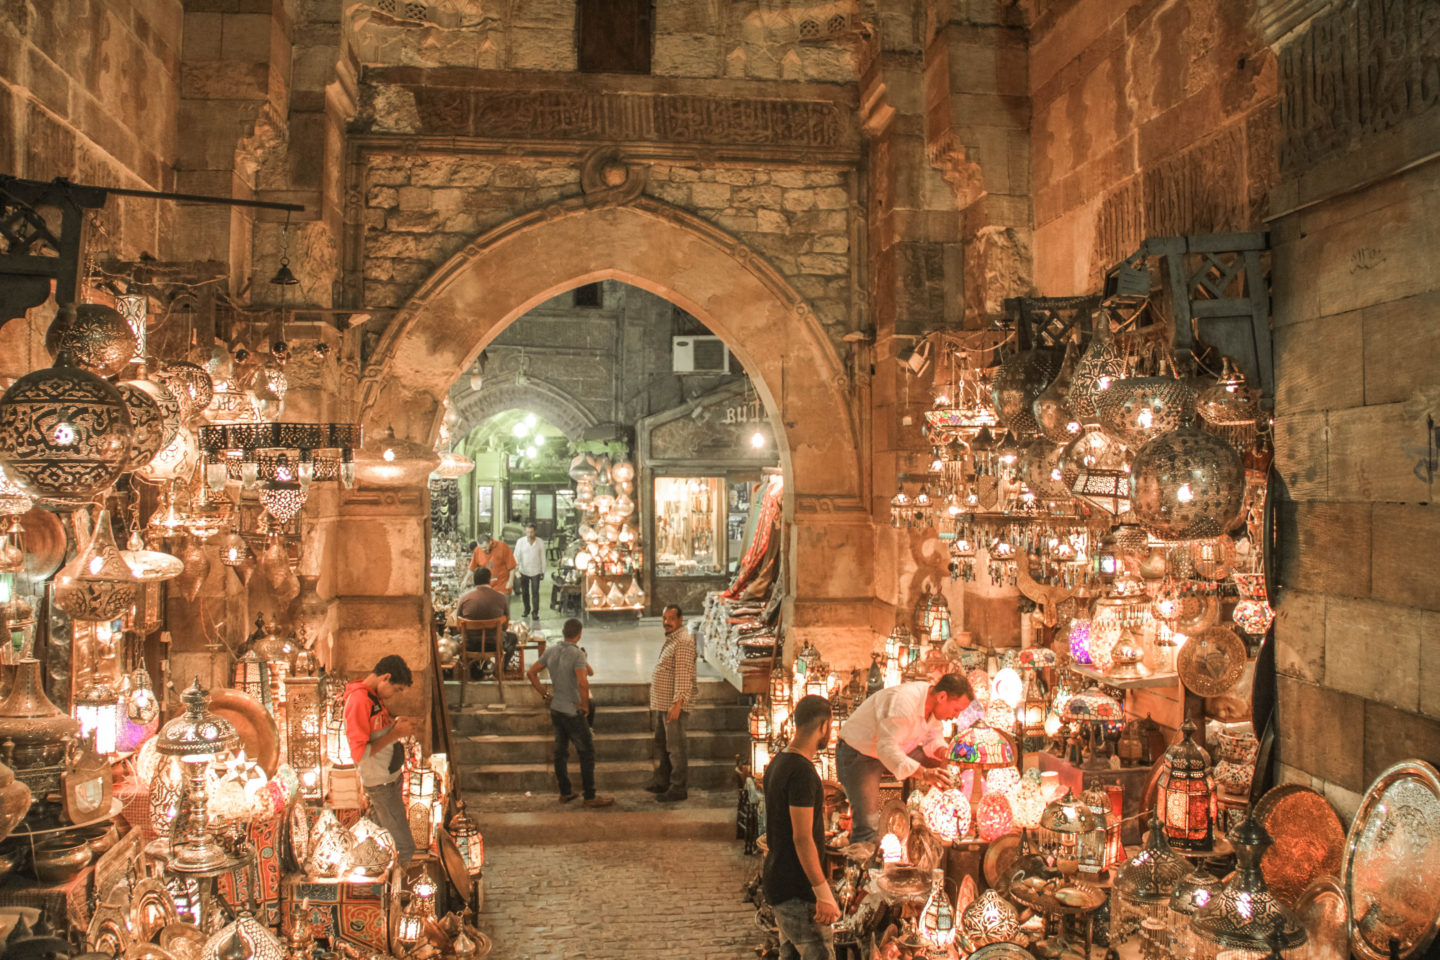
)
(620, 900)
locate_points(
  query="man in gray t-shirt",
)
(569, 703)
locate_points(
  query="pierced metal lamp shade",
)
(989, 919)
(255, 940)
(1194, 891)
(1144, 884)
(197, 733)
(1100, 365)
(329, 847)
(1135, 410)
(1061, 825)
(372, 852)
(147, 425)
(1020, 381)
(1245, 915)
(1187, 485)
(97, 337)
(64, 433)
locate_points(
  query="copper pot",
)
(58, 859)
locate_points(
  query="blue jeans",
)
(388, 809)
(860, 776)
(573, 729)
(801, 938)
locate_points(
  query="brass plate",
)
(1000, 858)
(454, 864)
(183, 940)
(1212, 661)
(1392, 863)
(255, 726)
(152, 909)
(1002, 951)
(1309, 840)
(44, 543)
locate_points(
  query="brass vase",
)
(39, 730)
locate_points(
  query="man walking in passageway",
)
(672, 686)
(530, 566)
(569, 701)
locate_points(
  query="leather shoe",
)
(656, 788)
(593, 802)
(567, 797)
(672, 796)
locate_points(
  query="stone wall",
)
(1357, 347)
(422, 209)
(1149, 119)
(790, 40)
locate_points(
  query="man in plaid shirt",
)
(671, 687)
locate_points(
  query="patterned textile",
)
(764, 530)
(674, 676)
(352, 911)
(264, 837)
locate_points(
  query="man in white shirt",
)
(530, 565)
(899, 730)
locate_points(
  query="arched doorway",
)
(710, 274)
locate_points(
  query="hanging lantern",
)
(98, 585)
(1245, 915)
(1187, 485)
(282, 501)
(147, 426)
(1098, 366)
(1057, 422)
(252, 676)
(97, 708)
(191, 385)
(989, 919)
(133, 307)
(1144, 884)
(178, 460)
(932, 616)
(1185, 798)
(141, 705)
(96, 337)
(1135, 410)
(759, 757)
(64, 433)
(1230, 408)
(759, 721)
(1018, 383)
(937, 920)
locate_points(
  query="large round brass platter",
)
(255, 727)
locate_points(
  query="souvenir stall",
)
(609, 561)
(701, 478)
(739, 634)
(1114, 473)
(150, 809)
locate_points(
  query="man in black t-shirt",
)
(794, 879)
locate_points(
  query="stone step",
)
(635, 816)
(487, 692)
(533, 718)
(609, 747)
(705, 774)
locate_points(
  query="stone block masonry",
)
(420, 210)
(619, 900)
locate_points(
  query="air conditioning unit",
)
(699, 355)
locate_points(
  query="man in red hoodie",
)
(374, 735)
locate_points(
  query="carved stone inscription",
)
(1361, 69)
(592, 115)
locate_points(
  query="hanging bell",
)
(284, 277)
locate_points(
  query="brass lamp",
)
(1246, 915)
(1144, 885)
(304, 729)
(97, 707)
(196, 738)
(252, 676)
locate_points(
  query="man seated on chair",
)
(483, 602)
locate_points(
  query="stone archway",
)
(548, 400)
(733, 291)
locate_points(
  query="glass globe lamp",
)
(946, 813)
(993, 818)
(1027, 802)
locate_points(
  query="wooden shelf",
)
(1141, 683)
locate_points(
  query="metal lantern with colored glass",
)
(466, 834)
(252, 676)
(1245, 916)
(937, 920)
(304, 734)
(1144, 884)
(779, 697)
(1185, 798)
(97, 707)
(932, 617)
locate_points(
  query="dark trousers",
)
(573, 729)
(530, 594)
(667, 751)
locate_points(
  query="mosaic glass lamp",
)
(1185, 799)
(932, 616)
(1245, 915)
(1144, 884)
(946, 813)
(980, 748)
(993, 817)
(1027, 803)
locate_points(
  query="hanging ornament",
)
(141, 704)
(177, 461)
(197, 568)
(1021, 379)
(1098, 366)
(1187, 485)
(64, 433)
(147, 426)
(1053, 415)
(169, 407)
(96, 337)
(97, 585)
(191, 385)
(1230, 408)
(1137, 409)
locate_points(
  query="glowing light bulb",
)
(539, 439)
(64, 434)
(389, 455)
(1145, 418)
(518, 430)
(1184, 494)
(757, 440)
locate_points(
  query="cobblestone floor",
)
(619, 900)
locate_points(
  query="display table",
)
(736, 643)
(72, 899)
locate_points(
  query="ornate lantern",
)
(779, 697)
(147, 425)
(372, 852)
(1245, 915)
(937, 920)
(95, 336)
(1144, 884)
(337, 744)
(1064, 823)
(932, 617)
(1034, 706)
(304, 733)
(1185, 794)
(989, 919)
(97, 707)
(197, 737)
(468, 838)
(329, 847)
(1100, 365)
(1194, 891)
(245, 938)
(759, 757)
(252, 676)
(1020, 381)
(1187, 485)
(1135, 410)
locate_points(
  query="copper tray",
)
(256, 728)
(1001, 856)
(44, 543)
(1392, 863)
(454, 863)
(1325, 914)
(1212, 661)
(1002, 951)
(1309, 840)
